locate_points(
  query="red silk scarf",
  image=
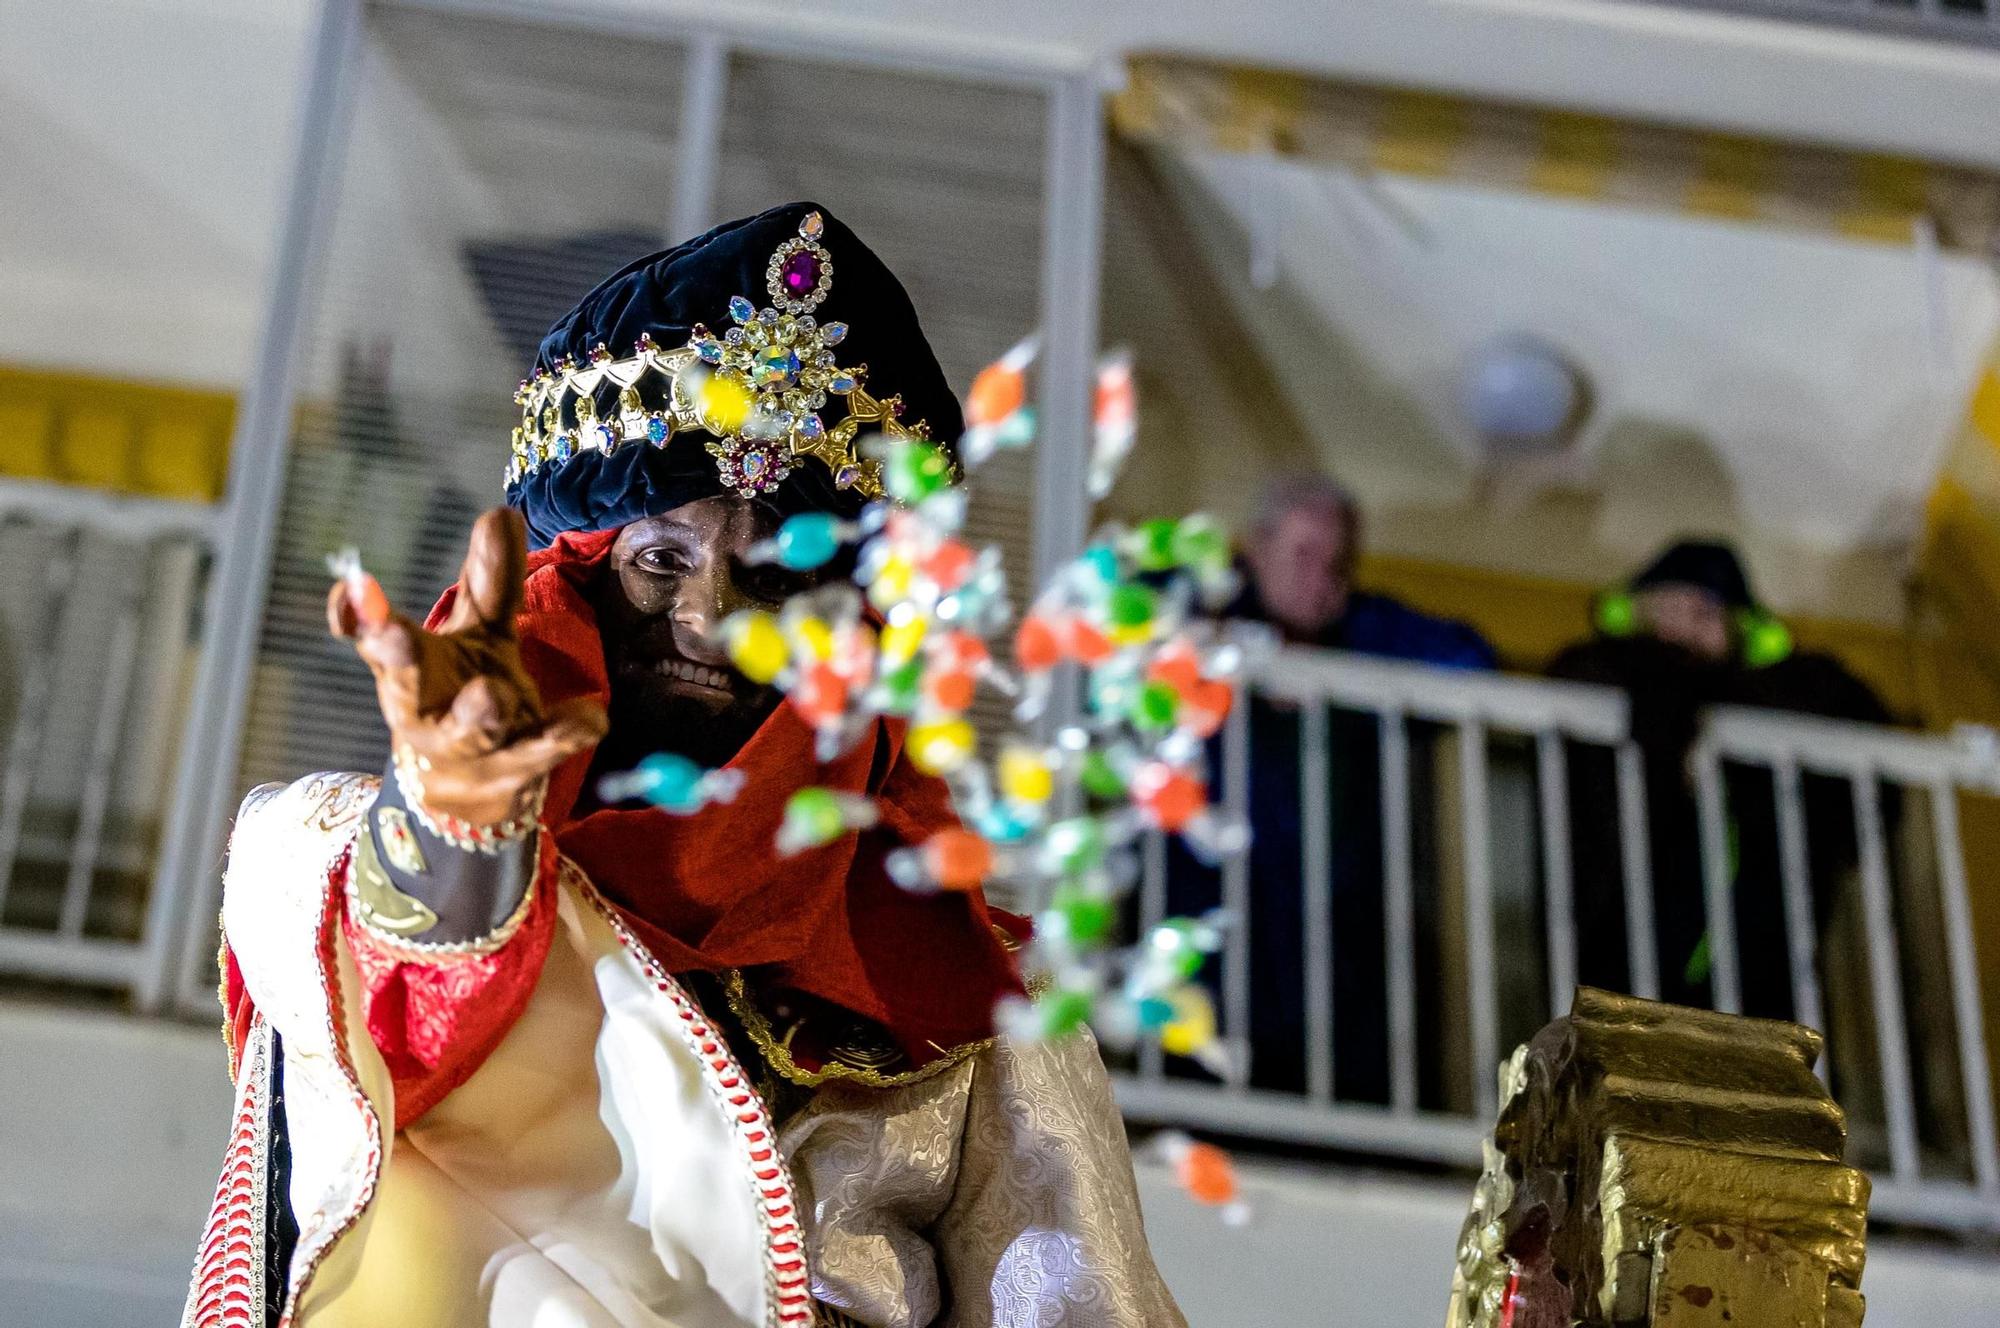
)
(709, 891)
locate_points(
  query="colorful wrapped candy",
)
(364, 592)
(818, 816)
(912, 635)
(672, 783)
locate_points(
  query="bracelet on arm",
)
(410, 766)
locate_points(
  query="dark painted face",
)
(670, 582)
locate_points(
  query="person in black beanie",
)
(1684, 634)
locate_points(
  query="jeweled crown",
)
(756, 390)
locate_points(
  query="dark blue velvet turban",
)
(664, 296)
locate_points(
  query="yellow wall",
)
(144, 438)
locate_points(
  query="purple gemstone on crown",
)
(800, 274)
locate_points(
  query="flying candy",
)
(1204, 1172)
(920, 629)
(817, 816)
(672, 783)
(806, 541)
(364, 592)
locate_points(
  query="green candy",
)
(1175, 941)
(1098, 777)
(1199, 542)
(816, 812)
(1153, 706)
(1153, 545)
(901, 685)
(1130, 605)
(915, 471)
(1086, 917)
(1062, 1012)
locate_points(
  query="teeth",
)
(695, 673)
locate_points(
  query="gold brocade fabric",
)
(998, 1191)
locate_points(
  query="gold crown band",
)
(756, 390)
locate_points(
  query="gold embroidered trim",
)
(779, 1056)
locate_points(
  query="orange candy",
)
(1177, 667)
(949, 564)
(1206, 1173)
(996, 393)
(1086, 643)
(958, 859)
(1208, 703)
(950, 689)
(959, 650)
(371, 606)
(821, 695)
(1169, 797)
(1036, 646)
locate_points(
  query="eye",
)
(663, 560)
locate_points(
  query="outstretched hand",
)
(458, 698)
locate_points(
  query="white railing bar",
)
(1399, 910)
(1801, 920)
(1558, 896)
(89, 960)
(1479, 968)
(99, 773)
(1718, 891)
(1837, 747)
(193, 841)
(1263, 1114)
(24, 746)
(1933, 1203)
(1966, 1012)
(1885, 978)
(1451, 696)
(704, 100)
(131, 516)
(1635, 855)
(1315, 836)
(1236, 893)
(1152, 912)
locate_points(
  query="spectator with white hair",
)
(1300, 560)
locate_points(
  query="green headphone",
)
(1761, 639)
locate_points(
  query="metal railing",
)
(1492, 733)
(96, 643)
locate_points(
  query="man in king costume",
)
(506, 1054)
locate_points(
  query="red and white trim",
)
(787, 1279)
(227, 1289)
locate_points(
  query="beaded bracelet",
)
(456, 831)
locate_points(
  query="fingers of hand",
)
(496, 561)
(492, 787)
(481, 716)
(341, 619)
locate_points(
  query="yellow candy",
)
(725, 403)
(817, 636)
(941, 747)
(756, 646)
(892, 581)
(1193, 1024)
(1024, 776)
(1133, 635)
(901, 639)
